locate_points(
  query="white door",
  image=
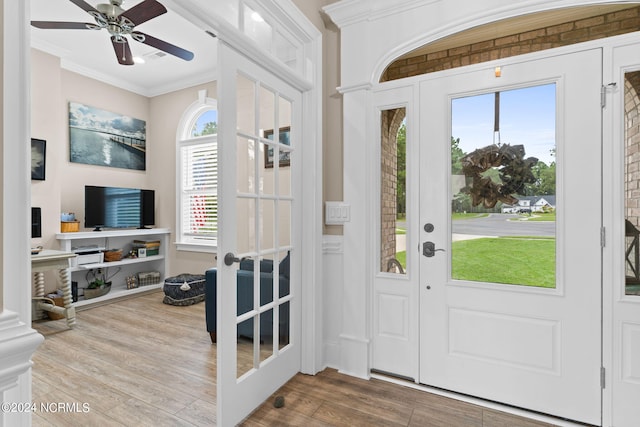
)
(395, 291)
(622, 275)
(259, 235)
(511, 302)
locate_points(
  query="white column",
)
(17, 339)
(354, 338)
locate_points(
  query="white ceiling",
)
(91, 53)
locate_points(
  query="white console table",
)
(49, 259)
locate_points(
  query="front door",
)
(622, 262)
(259, 235)
(510, 233)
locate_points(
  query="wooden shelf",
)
(126, 261)
(116, 239)
(116, 294)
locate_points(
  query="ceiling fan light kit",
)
(121, 23)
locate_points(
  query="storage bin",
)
(69, 226)
(113, 255)
(184, 289)
(59, 301)
(148, 278)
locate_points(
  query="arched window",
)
(197, 177)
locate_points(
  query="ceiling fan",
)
(121, 23)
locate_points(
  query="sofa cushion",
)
(266, 265)
(245, 288)
(285, 264)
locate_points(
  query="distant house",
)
(528, 204)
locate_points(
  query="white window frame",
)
(184, 138)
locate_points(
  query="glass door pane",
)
(393, 191)
(503, 179)
(631, 182)
(265, 142)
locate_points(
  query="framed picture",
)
(38, 158)
(285, 138)
(103, 138)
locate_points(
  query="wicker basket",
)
(69, 226)
(97, 292)
(113, 255)
(59, 301)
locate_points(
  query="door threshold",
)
(488, 404)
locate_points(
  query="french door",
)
(510, 269)
(259, 235)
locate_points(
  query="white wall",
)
(166, 112)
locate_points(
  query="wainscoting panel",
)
(630, 352)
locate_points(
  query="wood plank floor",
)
(143, 363)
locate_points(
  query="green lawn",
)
(522, 260)
(526, 261)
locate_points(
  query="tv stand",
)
(116, 239)
(97, 229)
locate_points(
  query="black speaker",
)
(36, 224)
(147, 212)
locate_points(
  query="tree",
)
(401, 170)
(545, 184)
(209, 128)
(456, 155)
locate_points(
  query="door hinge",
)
(602, 377)
(603, 93)
(603, 237)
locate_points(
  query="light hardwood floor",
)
(143, 363)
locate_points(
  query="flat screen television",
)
(117, 207)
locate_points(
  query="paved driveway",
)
(503, 225)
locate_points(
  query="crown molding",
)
(348, 12)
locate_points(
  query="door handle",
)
(429, 249)
(230, 258)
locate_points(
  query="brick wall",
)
(564, 34)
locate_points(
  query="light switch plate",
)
(337, 213)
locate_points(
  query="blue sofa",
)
(244, 277)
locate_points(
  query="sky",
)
(527, 117)
(95, 119)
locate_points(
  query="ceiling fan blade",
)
(121, 48)
(84, 5)
(51, 25)
(144, 11)
(162, 45)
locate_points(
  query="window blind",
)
(199, 197)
